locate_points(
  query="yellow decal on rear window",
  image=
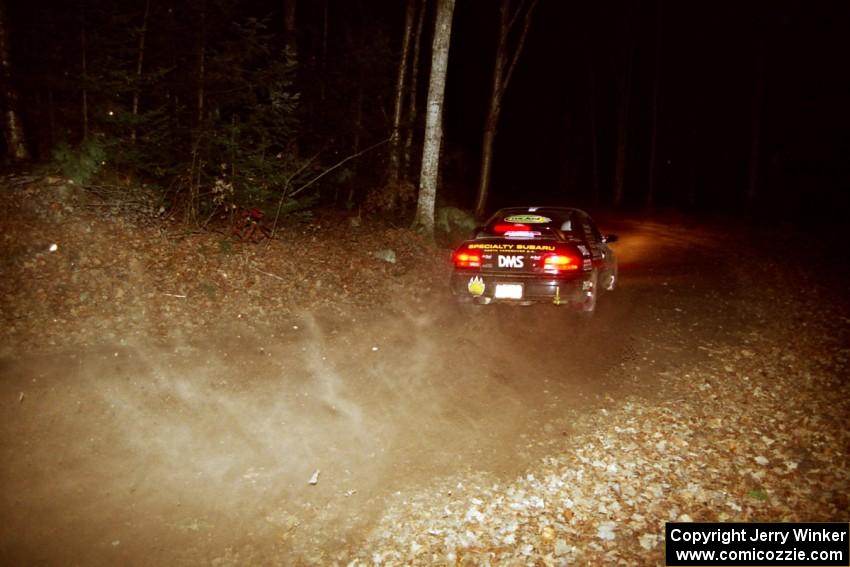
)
(530, 219)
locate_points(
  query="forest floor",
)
(173, 397)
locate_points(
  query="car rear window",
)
(523, 224)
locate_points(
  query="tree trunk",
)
(323, 54)
(202, 57)
(412, 110)
(624, 80)
(693, 165)
(14, 129)
(139, 65)
(290, 37)
(51, 117)
(491, 122)
(487, 143)
(758, 95)
(289, 28)
(594, 135)
(358, 130)
(569, 168)
(653, 138)
(424, 219)
(171, 31)
(395, 135)
(202, 61)
(694, 153)
(502, 72)
(622, 135)
(85, 73)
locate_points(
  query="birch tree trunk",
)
(412, 107)
(503, 69)
(395, 135)
(12, 124)
(139, 65)
(424, 219)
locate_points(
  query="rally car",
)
(532, 255)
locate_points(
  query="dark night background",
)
(567, 79)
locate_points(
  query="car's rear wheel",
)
(611, 279)
(587, 307)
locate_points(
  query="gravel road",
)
(231, 429)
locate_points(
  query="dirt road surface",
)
(199, 447)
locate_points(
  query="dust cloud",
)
(183, 448)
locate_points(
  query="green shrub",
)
(81, 163)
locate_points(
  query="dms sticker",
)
(530, 219)
(476, 286)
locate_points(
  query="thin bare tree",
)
(139, 66)
(412, 106)
(401, 79)
(201, 56)
(622, 139)
(510, 18)
(85, 71)
(758, 96)
(625, 61)
(424, 219)
(12, 124)
(290, 38)
(323, 53)
(653, 137)
(289, 28)
(594, 130)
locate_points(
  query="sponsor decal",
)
(511, 247)
(510, 261)
(530, 219)
(476, 286)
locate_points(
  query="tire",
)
(611, 279)
(587, 307)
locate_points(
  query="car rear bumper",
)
(477, 287)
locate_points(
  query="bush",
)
(82, 163)
(391, 198)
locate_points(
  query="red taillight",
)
(467, 259)
(560, 262)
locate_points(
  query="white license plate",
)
(508, 291)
